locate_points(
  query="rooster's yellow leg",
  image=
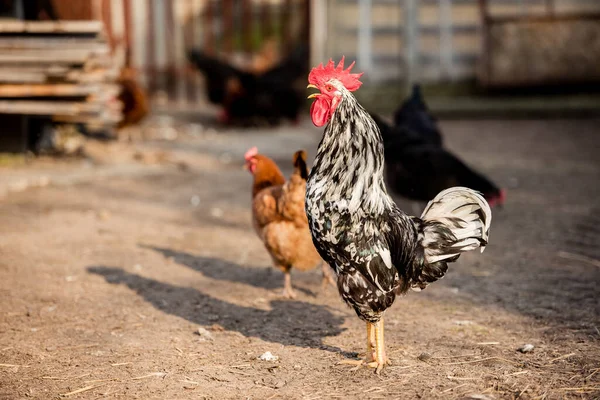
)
(370, 356)
(288, 292)
(380, 358)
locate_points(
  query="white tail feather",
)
(463, 207)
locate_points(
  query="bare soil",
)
(106, 279)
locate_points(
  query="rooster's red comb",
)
(321, 74)
(251, 153)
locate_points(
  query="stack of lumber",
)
(58, 69)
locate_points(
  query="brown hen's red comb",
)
(251, 153)
(320, 74)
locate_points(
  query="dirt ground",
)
(138, 276)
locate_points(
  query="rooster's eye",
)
(329, 88)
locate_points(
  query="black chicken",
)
(414, 115)
(418, 169)
(219, 75)
(375, 249)
(245, 96)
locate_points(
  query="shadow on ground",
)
(214, 268)
(291, 323)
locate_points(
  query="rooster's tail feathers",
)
(457, 220)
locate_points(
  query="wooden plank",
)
(45, 90)
(29, 107)
(91, 120)
(50, 56)
(22, 76)
(32, 43)
(46, 69)
(58, 75)
(94, 76)
(51, 26)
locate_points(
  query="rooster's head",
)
(329, 80)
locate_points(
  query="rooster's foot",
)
(379, 366)
(368, 362)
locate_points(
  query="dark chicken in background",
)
(263, 94)
(418, 170)
(417, 165)
(376, 250)
(413, 114)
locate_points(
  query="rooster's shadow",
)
(291, 323)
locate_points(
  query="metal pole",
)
(365, 36)
(411, 37)
(446, 36)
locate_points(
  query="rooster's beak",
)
(311, 86)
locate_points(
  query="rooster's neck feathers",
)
(348, 167)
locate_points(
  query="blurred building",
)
(439, 40)
(392, 40)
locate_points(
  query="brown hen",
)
(279, 218)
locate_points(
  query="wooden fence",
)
(155, 35)
(425, 40)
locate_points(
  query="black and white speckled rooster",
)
(376, 250)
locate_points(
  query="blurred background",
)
(473, 57)
(127, 251)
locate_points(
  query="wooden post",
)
(171, 70)
(107, 18)
(191, 88)
(127, 22)
(228, 26)
(365, 36)
(286, 21)
(266, 20)
(151, 42)
(209, 37)
(247, 26)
